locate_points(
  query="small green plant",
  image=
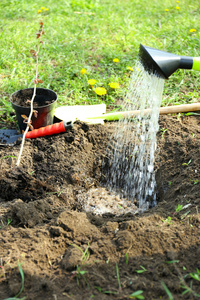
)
(185, 215)
(179, 207)
(167, 291)
(163, 130)
(105, 292)
(136, 295)
(78, 273)
(22, 287)
(196, 275)
(118, 278)
(31, 173)
(192, 114)
(85, 254)
(189, 289)
(195, 181)
(126, 258)
(168, 220)
(8, 156)
(187, 164)
(142, 270)
(9, 221)
(19, 265)
(22, 277)
(172, 261)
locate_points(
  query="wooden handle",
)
(179, 108)
(166, 110)
(163, 111)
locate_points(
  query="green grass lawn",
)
(89, 34)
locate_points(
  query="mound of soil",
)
(53, 238)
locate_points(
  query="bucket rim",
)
(28, 107)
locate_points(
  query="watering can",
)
(163, 64)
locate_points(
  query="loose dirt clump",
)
(53, 234)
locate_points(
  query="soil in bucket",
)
(44, 104)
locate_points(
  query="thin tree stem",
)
(31, 109)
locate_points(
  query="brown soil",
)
(43, 97)
(67, 253)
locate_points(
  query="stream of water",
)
(131, 152)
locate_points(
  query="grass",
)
(22, 284)
(167, 291)
(90, 34)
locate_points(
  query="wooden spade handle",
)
(166, 110)
(179, 108)
(163, 111)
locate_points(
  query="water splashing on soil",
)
(132, 146)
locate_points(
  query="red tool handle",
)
(49, 130)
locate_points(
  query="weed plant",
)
(101, 37)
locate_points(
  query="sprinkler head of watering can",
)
(164, 64)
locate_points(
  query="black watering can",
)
(163, 64)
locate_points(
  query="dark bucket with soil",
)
(44, 104)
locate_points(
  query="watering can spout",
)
(164, 64)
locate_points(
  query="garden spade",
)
(62, 113)
(92, 115)
(81, 112)
(163, 64)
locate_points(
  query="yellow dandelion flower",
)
(130, 69)
(83, 71)
(116, 60)
(114, 85)
(46, 9)
(166, 9)
(100, 91)
(177, 7)
(42, 7)
(92, 82)
(193, 30)
(39, 11)
(177, 1)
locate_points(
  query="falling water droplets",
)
(131, 152)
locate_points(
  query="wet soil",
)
(63, 251)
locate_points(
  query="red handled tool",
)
(10, 136)
(49, 130)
